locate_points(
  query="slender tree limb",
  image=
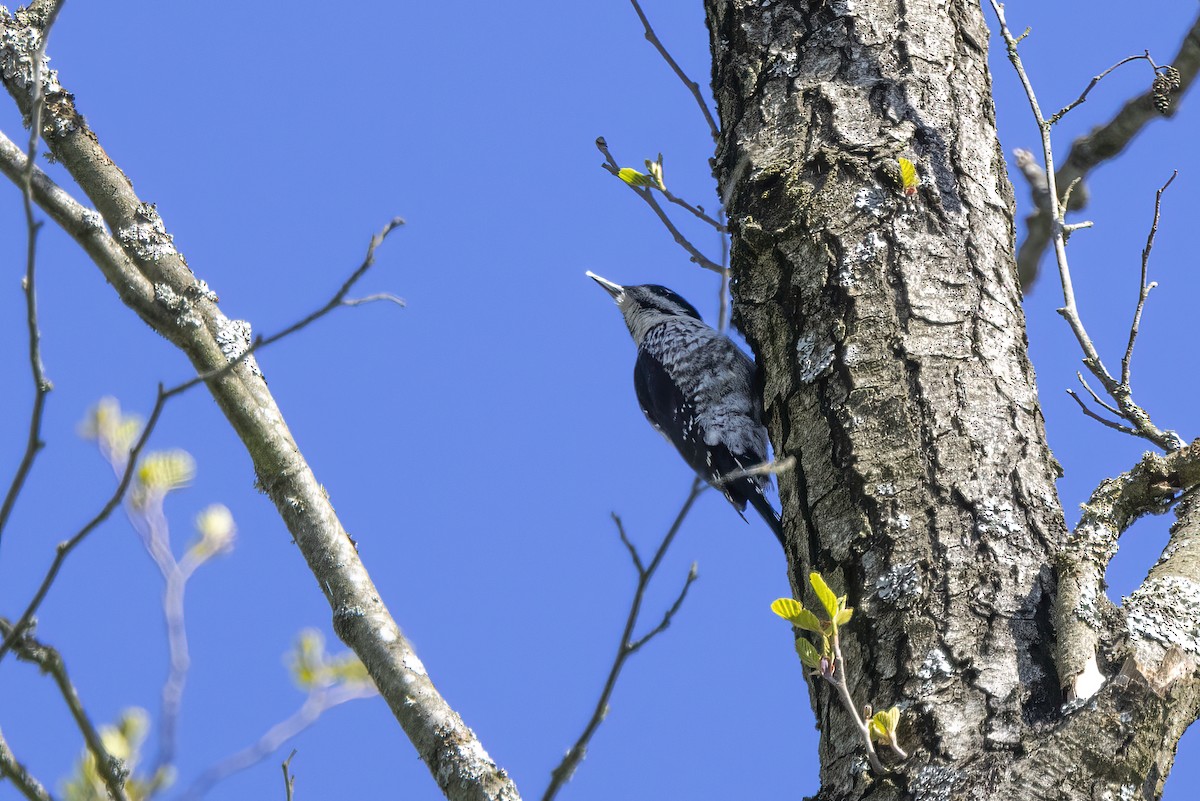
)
(692, 86)
(1102, 420)
(843, 689)
(65, 548)
(289, 780)
(628, 645)
(1119, 391)
(1092, 85)
(26, 784)
(111, 769)
(1099, 401)
(1103, 143)
(696, 211)
(41, 384)
(182, 309)
(668, 615)
(1144, 286)
(338, 299)
(647, 195)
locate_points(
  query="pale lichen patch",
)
(900, 586)
(1166, 609)
(146, 237)
(814, 355)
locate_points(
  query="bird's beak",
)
(616, 290)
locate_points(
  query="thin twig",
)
(1144, 287)
(338, 299)
(318, 702)
(1063, 111)
(26, 784)
(1083, 406)
(110, 768)
(633, 554)
(696, 210)
(668, 615)
(773, 468)
(1120, 392)
(41, 385)
(570, 761)
(1103, 143)
(289, 780)
(1099, 401)
(645, 194)
(65, 548)
(692, 86)
(848, 702)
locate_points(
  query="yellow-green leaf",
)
(883, 724)
(807, 621)
(634, 178)
(824, 594)
(908, 176)
(843, 617)
(893, 715)
(787, 608)
(807, 653)
(878, 733)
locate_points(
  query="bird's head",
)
(646, 305)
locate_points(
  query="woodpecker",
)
(697, 388)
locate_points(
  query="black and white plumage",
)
(698, 389)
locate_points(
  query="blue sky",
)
(475, 442)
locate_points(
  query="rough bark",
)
(892, 339)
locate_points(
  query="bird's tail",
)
(760, 502)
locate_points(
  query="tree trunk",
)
(892, 339)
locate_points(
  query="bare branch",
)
(1083, 407)
(695, 210)
(1100, 402)
(765, 469)
(1120, 392)
(1063, 111)
(21, 778)
(41, 385)
(337, 300)
(110, 768)
(627, 646)
(633, 554)
(1105, 142)
(692, 86)
(669, 615)
(65, 548)
(1144, 287)
(162, 288)
(648, 196)
(289, 780)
